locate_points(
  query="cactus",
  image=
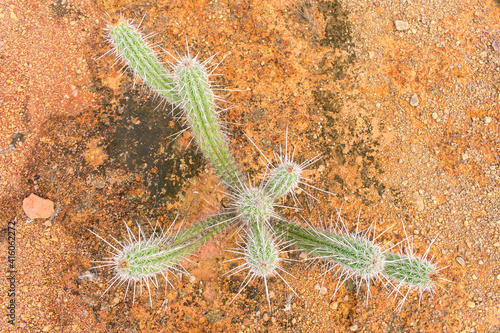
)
(141, 260)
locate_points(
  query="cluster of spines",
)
(189, 87)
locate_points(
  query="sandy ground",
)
(341, 78)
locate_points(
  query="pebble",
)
(401, 25)
(414, 100)
(36, 207)
(461, 261)
(334, 305)
(434, 115)
(495, 45)
(419, 202)
(487, 120)
(354, 328)
(303, 255)
(265, 317)
(322, 290)
(471, 304)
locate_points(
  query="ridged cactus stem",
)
(198, 105)
(131, 46)
(365, 259)
(261, 253)
(353, 253)
(140, 259)
(283, 179)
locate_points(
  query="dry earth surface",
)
(405, 115)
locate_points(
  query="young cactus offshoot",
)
(261, 253)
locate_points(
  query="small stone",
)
(487, 120)
(35, 207)
(192, 279)
(334, 306)
(434, 115)
(419, 202)
(497, 244)
(471, 304)
(495, 45)
(303, 255)
(461, 261)
(401, 25)
(265, 317)
(414, 100)
(354, 328)
(317, 286)
(116, 300)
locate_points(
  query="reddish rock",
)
(36, 207)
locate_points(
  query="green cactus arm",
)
(141, 259)
(131, 47)
(198, 105)
(354, 253)
(261, 252)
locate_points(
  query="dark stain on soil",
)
(337, 30)
(344, 138)
(142, 142)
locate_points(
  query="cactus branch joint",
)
(137, 261)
